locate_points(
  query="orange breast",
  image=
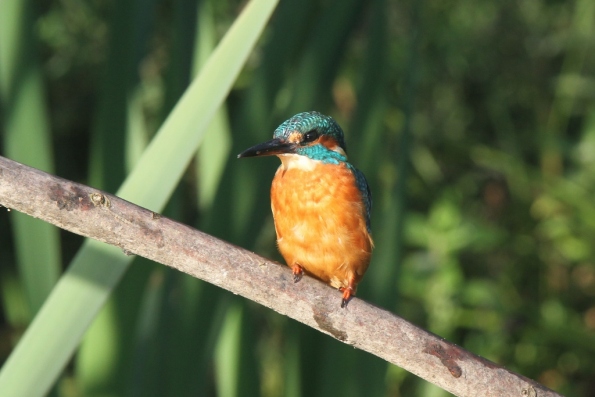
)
(320, 222)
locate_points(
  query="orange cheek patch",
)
(294, 137)
(331, 144)
(328, 142)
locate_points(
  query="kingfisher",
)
(320, 202)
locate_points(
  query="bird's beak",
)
(272, 147)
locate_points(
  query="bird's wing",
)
(364, 189)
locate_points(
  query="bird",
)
(321, 203)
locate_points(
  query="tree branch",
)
(101, 216)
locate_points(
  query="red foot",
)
(298, 272)
(347, 294)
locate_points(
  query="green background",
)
(474, 122)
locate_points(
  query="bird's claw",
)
(298, 272)
(347, 295)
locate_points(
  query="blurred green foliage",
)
(473, 121)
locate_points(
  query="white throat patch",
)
(303, 163)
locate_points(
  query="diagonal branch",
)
(98, 215)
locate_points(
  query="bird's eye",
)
(310, 136)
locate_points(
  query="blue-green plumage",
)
(364, 188)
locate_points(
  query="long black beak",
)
(274, 146)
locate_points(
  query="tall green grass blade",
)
(137, 137)
(293, 375)
(34, 364)
(61, 322)
(146, 369)
(214, 150)
(128, 31)
(212, 158)
(14, 303)
(183, 34)
(104, 359)
(228, 353)
(261, 101)
(190, 342)
(27, 139)
(319, 64)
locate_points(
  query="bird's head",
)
(309, 134)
